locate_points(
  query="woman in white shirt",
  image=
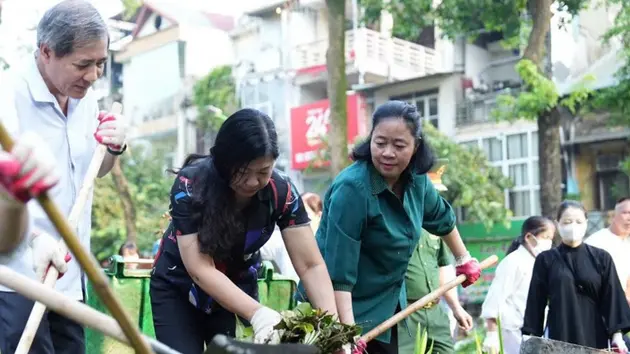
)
(275, 251)
(507, 296)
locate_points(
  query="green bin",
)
(131, 287)
(274, 290)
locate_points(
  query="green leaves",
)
(422, 340)
(149, 187)
(472, 182)
(215, 89)
(245, 334)
(310, 326)
(541, 95)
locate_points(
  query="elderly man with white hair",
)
(51, 95)
(616, 241)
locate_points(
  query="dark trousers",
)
(56, 334)
(180, 325)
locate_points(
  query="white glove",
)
(263, 321)
(619, 343)
(47, 250)
(491, 342)
(112, 130)
(29, 170)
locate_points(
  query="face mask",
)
(542, 245)
(572, 232)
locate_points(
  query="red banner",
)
(310, 123)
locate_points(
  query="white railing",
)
(372, 52)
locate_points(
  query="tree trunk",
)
(550, 162)
(549, 155)
(129, 210)
(540, 11)
(337, 84)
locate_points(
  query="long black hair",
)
(534, 225)
(246, 135)
(423, 159)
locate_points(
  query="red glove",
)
(111, 130)
(359, 347)
(471, 269)
(29, 170)
(67, 258)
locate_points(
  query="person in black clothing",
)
(587, 305)
(224, 207)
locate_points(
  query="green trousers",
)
(435, 321)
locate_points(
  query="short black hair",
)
(424, 159)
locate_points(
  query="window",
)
(535, 144)
(427, 105)
(257, 97)
(612, 183)
(520, 203)
(517, 146)
(518, 174)
(536, 199)
(493, 147)
(516, 156)
(612, 186)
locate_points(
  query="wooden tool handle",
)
(50, 279)
(86, 260)
(74, 310)
(432, 296)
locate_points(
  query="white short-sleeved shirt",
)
(507, 296)
(26, 104)
(618, 248)
(275, 250)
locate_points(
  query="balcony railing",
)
(477, 108)
(374, 52)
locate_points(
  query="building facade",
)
(172, 46)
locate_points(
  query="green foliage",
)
(149, 187)
(130, 7)
(615, 100)
(309, 326)
(215, 89)
(540, 96)
(460, 17)
(501, 351)
(422, 340)
(471, 181)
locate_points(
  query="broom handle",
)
(37, 313)
(419, 304)
(87, 261)
(74, 310)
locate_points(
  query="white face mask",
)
(542, 245)
(572, 232)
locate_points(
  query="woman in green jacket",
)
(374, 213)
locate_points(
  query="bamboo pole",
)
(87, 261)
(74, 310)
(416, 306)
(50, 279)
